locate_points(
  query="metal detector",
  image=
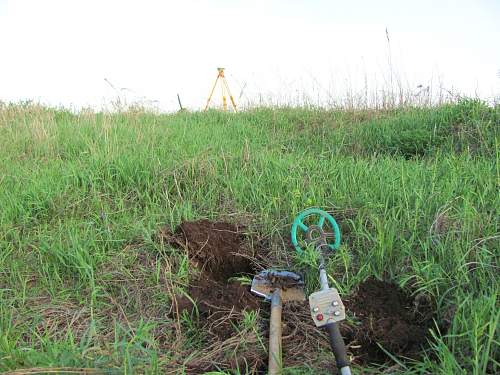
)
(317, 228)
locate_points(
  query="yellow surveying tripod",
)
(224, 87)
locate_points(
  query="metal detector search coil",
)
(310, 224)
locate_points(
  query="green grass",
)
(83, 196)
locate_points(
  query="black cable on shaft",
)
(337, 344)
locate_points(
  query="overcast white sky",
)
(60, 52)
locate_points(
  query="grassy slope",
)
(76, 192)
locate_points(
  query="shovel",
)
(278, 287)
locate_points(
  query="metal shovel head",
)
(290, 283)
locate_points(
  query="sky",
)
(89, 53)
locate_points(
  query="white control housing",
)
(326, 307)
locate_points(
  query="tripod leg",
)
(224, 102)
(230, 95)
(211, 93)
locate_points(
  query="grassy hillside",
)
(83, 197)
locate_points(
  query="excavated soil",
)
(386, 316)
(382, 313)
(218, 248)
(220, 252)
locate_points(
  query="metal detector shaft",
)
(336, 341)
(323, 278)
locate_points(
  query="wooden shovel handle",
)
(275, 365)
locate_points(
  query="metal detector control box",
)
(326, 307)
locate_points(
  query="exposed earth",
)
(381, 314)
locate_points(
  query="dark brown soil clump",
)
(218, 248)
(218, 304)
(220, 253)
(388, 317)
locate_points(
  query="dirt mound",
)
(218, 248)
(218, 304)
(389, 317)
(220, 252)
